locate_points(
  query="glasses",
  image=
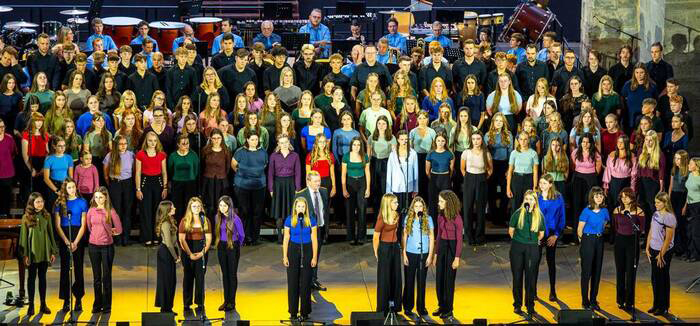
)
(157, 115)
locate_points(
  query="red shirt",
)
(609, 142)
(151, 166)
(323, 167)
(38, 145)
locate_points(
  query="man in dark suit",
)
(317, 198)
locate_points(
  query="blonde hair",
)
(217, 81)
(307, 216)
(666, 199)
(388, 215)
(408, 227)
(511, 95)
(443, 95)
(505, 132)
(188, 218)
(650, 157)
(683, 169)
(537, 218)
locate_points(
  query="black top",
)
(621, 74)
(428, 73)
(332, 117)
(234, 80)
(259, 72)
(143, 87)
(167, 138)
(179, 82)
(359, 77)
(528, 75)
(561, 80)
(308, 78)
(48, 63)
(271, 77)
(161, 76)
(221, 60)
(341, 81)
(200, 99)
(659, 73)
(121, 80)
(127, 71)
(89, 79)
(591, 80)
(461, 69)
(16, 71)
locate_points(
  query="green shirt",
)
(322, 101)
(355, 169)
(693, 186)
(381, 148)
(607, 104)
(38, 242)
(183, 168)
(462, 142)
(524, 235)
(98, 148)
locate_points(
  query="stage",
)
(483, 287)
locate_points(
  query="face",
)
(383, 47)
(158, 60)
(280, 59)
(109, 83)
(253, 141)
(223, 207)
(585, 144)
(376, 100)
(130, 120)
(141, 65)
(308, 55)
(148, 47)
(355, 30)
(285, 121)
(392, 27)
(498, 122)
(100, 198)
(671, 88)
(99, 124)
(77, 81)
(656, 53)
(599, 198)
(524, 140)
(288, 78)
(226, 26)
(266, 29)
(191, 125)
(6, 59)
(436, 57)
(442, 203)
(86, 158)
(336, 64)
(252, 120)
(592, 60)
(610, 123)
(531, 54)
(121, 146)
(569, 59)
(544, 185)
(503, 82)
(587, 119)
(71, 189)
(300, 207)
(338, 95)
(575, 85)
(152, 141)
(184, 145)
(692, 166)
(437, 29)
(317, 118)
(639, 74)
(43, 44)
(677, 159)
(143, 30)
(477, 140)
(513, 42)
(422, 120)
(60, 147)
(356, 146)
(283, 143)
(70, 127)
(306, 99)
(676, 107)
(403, 140)
(371, 54)
(38, 203)
(315, 18)
(531, 200)
(195, 208)
(216, 139)
(93, 104)
(676, 123)
(159, 100)
(11, 83)
(314, 182)
(394, 204)
(644, 125)
(440, 142)
(418, 207)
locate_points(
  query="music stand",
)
(344, 46)
(453, 54)
(202, 49)
(356, 8)
(410, 44)
(294, 41)
(449, 16)
(277, 11)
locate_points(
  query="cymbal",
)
(20, 24)
(391, 12)
(77, 21)
(73, 12)
(5, 9)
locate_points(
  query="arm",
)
(314, 246)
(368, 178)
(463, 167)
(137, 178)
(535, 178)
(59, 231)
(285, 247)
(47, 180)
(343, 178)
(579, 231)
(509, 176)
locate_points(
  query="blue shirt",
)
(434, 108)
(383, 58)
(499, 151)
(178, 42)
(543, 55)
(311, 139)
(413, 241)
(439, 162)
(216, 44)
(634, 100)
(318, 34)
(341, 142)
(595, 222)
(58, 166)
(554, 215)
(504, 103)
(519, 53)
(348, 69)
(397, 41)
(251, 168)
(149, 60)
(75, 208)
(267, 41)
(85, 121)
(139, 41)
(444, 40)
(91, 63)
(299, 234)
(107, 41)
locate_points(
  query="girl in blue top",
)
(69, 219)
(439, 165)
(418, 249)
(590, 232)
(250, 183)
(499, 141)
(57, 168)
(551, 204)
(299, 258)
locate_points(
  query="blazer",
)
(306, 194)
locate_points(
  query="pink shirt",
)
(100, 230)
(620, 170)
(586, 166)
(86, 178)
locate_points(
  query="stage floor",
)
(483, 287)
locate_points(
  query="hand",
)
(509, 193)
(313, 262)
(660, 260)
(285, 261)
(648, 254)
(332, 192)
(322, 43)
(455, 263)
(552, 241)
(405, 259)
(177, 261)
(367, 193)
(53, 258)
(139, 194)
(164, 193)
(345, 193)
(193, 257)
(115, 231)
(73, 246)
(376, 256)
(685, 207)
(26, 261)
(271, 194)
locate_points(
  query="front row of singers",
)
(534, 226)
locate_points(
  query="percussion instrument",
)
(19, 37)
(165, 34)
(498, 18)
(206, 28)
(51, 28)
(77, 21)
(529, 19)
(485, 20)
(121, 29)
(390, 12)
(368, 17)
(73, 12)
(469, 29)
(19, 24)
(5, 9)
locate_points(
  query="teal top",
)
(523, 162)
(381, 148)
(183, 167)
(462, 143)
(45, 99)
(97, 147)
(423, 144)
(693, 186)
(355, 169)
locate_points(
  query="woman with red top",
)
(151, 183)
(35, 148)
(216, 157)
(283, 181)
(610, 135)
(103, 223)
(652, 168)
(625, 216)
(388, 254)
(448, 250)
(586, 165)
(408, 118)
(321, 160)
(620, 170)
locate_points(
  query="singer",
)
(194, 235)
(388, 254)
(626, 217)
(590, 233)
(229, 239)
(659, 252)
(418, 242)
(526, 228)
(554, 213)
(70, 212)
(299, 230)
(168, 256)
(447, 252)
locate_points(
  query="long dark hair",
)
(628, 152)
(231, 231)
(387, 133)
(592, 150)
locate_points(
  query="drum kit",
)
(23, 34)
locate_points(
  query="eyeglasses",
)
(157, 115)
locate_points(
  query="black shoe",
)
(660, 312)
(628, 308)
(354, 243)
(423, 313)
(293, 318)
(652, 310)
(199, 309)
(317, 286)
(96, 310)
(187, 309)
(106, 310)
(446, 315)
(66, 306)
(45, 309)
(222, 307)
(595, 306)
(586, 306)
(30, 310)
(19, 301)
(78, 306)
(410, 314)
(553, 296)
(518, 311)
(620, 306)
(530, 313)
(230, 307)
(437, 312)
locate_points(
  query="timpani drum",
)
(121, 29)
(498, 19)
(485, 20)
(469, 31)
(206, 28)
(165, 34)
(529, 19)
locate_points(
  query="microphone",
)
(627, 214)
(300, 216)
(201, 219)
(420, 214)
(527, 207)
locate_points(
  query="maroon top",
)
(450, 230)
(653, 173)
(623, 225)
(281, 166)
(8, 151)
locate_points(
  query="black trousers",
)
(457, 177)
(661, 280)
(680, 238)
(101, 259)
(77, 289)
(438, 183)
(299, 278)
(646, 192)
(497, 193)
(591, 267)
(39, 269)
(475, 191)
(379, 180)
(166, 281)
(251, 202)
(445, 275)
(320, 235)
(151, 187)
(694, 230)
(50, 195)
(524, 261)
(581, 184)
(389, 277)
(625, 261)
(519, 184)
(615, 186)
(550, 254)
(122, 194)
(5, 192)
(228, 260)
(356, 188)
(193, 274)
(213, 189)
(416, 265)
(182, 191)
(422, 177)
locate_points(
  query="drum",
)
(20, 37)
(498, 19)
(121, 29)
(470, 25)
(529, 19)
(485, 20)
(206, 28)
(165, 33)
(51, 28)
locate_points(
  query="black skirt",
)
(283, 196)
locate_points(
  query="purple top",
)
(127, 167)
(281, 166)
(659, 222)
(8, 150)
(450, 230)
(623, 225)
(238, 232)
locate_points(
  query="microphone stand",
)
(637, 231)
(689, 28)
(420, 262)
(633, 38)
